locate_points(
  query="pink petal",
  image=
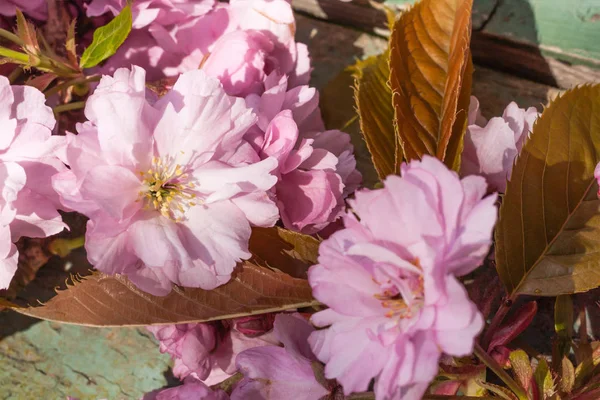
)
(115, 189)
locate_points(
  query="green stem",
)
(22, 58)
(62, 247)
(76, 105)
(501, 373)
(56, 89)
(11, 36)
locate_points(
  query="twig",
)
(11, 36)
(76, 105)
(501, 373)
(72, 82)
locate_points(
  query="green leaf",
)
(373, 98)
(548, 233)
(567, 380)
(543, 379)
(107, 39)
(500, 391)
(430, 78)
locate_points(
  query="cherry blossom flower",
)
(28, 204)
(207, 351)
(274, 372)
(389, 279)
(192, 389)
(146, 12)
(174, 172)
(37, 9)
(491, 146)
(317, 168)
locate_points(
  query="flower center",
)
(168, 189)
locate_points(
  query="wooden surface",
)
(555, 42)
(41, 360)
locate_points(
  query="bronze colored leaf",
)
(548, 234)
(101, 300)
(430, 78)
(339, 112)
(288, 251)
(373, 98)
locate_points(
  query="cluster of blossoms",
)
(173, 184)
(238, 141)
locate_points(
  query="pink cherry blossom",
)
(389, 279)
(207, 350)
(174, 172)
(597, 176)
(192, 389)
(146, 12)
(273, 372)
(317, 168)
(491, 146)
(37, 9)
(28, 204)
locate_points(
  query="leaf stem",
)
(21, 58)
(497, 320)
(501, 373)
(72, 82)
(76, 105)
(11, 36)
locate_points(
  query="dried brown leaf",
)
(101, 300)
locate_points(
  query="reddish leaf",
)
(519, 321)
(41, 82)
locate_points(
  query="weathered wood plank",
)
(503, 36)
(51, 361)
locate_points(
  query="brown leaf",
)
(288, 251)
(430, 78)
(373, 98)
(100, 300)
(548, 234)
(26, 32)
(71, 45)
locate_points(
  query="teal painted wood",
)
(566, 30)
(50, 361)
